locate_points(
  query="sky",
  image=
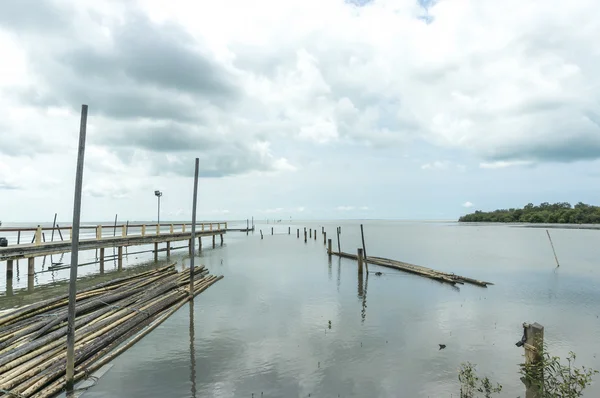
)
(302, 109)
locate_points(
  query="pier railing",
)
(98, 232)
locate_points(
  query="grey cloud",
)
(33, 15)
(158, 55)
(228, 160)
(6, 186)
(142, 70)
(171, 137)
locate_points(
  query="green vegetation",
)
(547, 213)
(554, 379)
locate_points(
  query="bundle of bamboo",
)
(32, 343)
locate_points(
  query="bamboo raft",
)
(418, 270)
(110, 318)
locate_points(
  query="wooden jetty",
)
(417, 269)
(106, 236)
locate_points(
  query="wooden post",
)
(183, 228)
(362, 235)
(19, 237)
(338, 239)
(202, 226)
(31, 266)
(171, 228)
(329, 247)
(221, 239)
(210, 227)
(9, 269)
(38, 236)
(123, 231)
(298, 233)
(534, 345)
(289, 230)
(261, 235)
(120, 258)
(359, 255)
(58, 229)
(168, 249)
(304, 235)
(315, 234)
(324, 238)
(143, 230)
(53, 227)
(199, 243)
(101, 260)
(155, 251)
(214, 241)
(310, 233)
(271, 230)
(99, 232)
(157, 229)
(322, 230)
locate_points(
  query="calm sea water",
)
(264, 330)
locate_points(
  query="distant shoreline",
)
(529, 225)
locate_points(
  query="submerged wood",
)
(418, 270)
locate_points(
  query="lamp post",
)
(158, 195)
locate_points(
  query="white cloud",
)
(437, 165)
(468, 204)
(503, 164)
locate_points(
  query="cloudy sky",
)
(415, 109)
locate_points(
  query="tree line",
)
(561, 212)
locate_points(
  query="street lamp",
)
(158, 195)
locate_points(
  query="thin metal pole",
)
(75, 252)
(194, 227)
(53, 226)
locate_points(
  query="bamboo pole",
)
(553, 251)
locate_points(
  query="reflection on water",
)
(264, 328)
(192, 351)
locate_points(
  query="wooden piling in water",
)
(120, 258)
(156, 251)
(298, 233)
(362, 236)
(305, 235)
(310, 233)
(261, 235)
(329, 247)
(213, 238)
(9, 269)
(271, 230)
(289, 230)
(199, 243)
(324, 238)
(101, 260)
(169, 249)
(338, 239)
(359, 256)
(31, 266)
(221, 235)
(534, 348)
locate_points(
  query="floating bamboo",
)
(418, 270)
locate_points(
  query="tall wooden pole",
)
(338, 239)
(75, 252)
(362, 235)
(194, 228)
